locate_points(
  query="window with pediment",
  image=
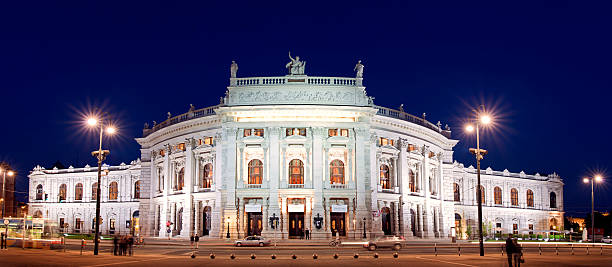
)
(296, 172)
(62, 192)
(336, 172)
(113, 191)
(78, 191)
(384, 177)
(530, 198)
(514, 197)
(255, 171)
(497, 195)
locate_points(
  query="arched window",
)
(456, 192)
(62, 192)
(529, 198)
(336, 172)
(180, 179)
(482, 195)
(206, 176)
(296, 172)
(137, 190)
(514, 197)
(553, 200)
(498, 195)
(412, 181)
(38, 214)
(113, 190)
(384, 176)
(94, 191)
(78, 191)
(255, 171)
(39, 192)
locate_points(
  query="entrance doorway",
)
(386, 221)
(338, 223)
(296, 224)
(254, 225)
(206, 221)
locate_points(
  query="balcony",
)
(293, 186)
(253, 186)
(337, 186)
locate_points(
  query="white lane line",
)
(124, 262)
(448, 262)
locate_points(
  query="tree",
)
(468, 231)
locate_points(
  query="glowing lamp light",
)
(92, 121)
(598, 178)
(111, 130)
(469, 128)
(10, 173)
(485, 119)
(585, 180)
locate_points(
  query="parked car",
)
(395, 242)
(607, 240)
(252, 241)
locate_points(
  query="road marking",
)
(124, 262)
(448, 262)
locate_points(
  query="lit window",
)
(181, 146)
(412, 181)
(208, 141)
(62, 192)
(206, 176)
(344, 132)
(77, 223)
(39, 192)
(384, 141)
(482, 195)
(137, 190)
(332, 132)
(258, 132)
(296, 172)
(514, 197)
(255, 171)
(529, 198)
(94, 191)
(247, 132)
(456, 192)
(515, 228)
(113, 190)
(497, 192)
(296, 131)
(336, 170)
(162, 152)
(180, 179)
(384, 177)
(78, 192)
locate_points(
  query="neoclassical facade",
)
(280, 155)
(68, 197)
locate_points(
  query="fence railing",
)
(282, 80)
(387, 112)
(192, 114)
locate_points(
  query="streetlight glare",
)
(92, 121)
(469, 128)
(585, 180)
(485, 119)
(111, 130)
(598, 178)
(10, 173)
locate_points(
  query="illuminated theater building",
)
(316, 153)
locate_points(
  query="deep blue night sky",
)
(543, 68)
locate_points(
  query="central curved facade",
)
(282, 155)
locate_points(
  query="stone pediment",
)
(295, 139)
(338, 139)
(252, 139)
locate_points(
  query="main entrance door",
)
(338, 223)
(255, 223)
(296, 224)
(386, 221)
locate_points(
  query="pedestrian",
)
(122, 246)
(510, 249)
(130, 243)
(191, 239)
(197, 240)
(2, 244)
(308, 233)
(115, 244)
(518, 253)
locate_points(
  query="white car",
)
(607, 240)
(252, 241)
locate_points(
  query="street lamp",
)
(228, 225)
(4, 173)
(592, 180)
(364, 228)
(100, 155)
(484, 119)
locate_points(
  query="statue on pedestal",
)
(296, 67)
(233, 69)
(359, 69)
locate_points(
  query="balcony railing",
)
(203, 112)
(392, 113)
(337, 186)
(254, 186)
(273, 81)
(295, 186)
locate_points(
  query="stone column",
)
(273, 158)
(441, 227)
(228, 146)
(420, 220)
(242, 219)
(427, 220)
(396, 228)
(196, 221)
(317, 174)
(188, 188)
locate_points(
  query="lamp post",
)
(592, 180)
(479, 153)
(364, 228)
(228, 225)
(100, 155)
(4, 173)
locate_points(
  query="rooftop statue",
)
(233, 69)
(296, 67)
(359, 69)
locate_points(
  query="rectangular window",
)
(247, 132)
(258, 132)
(344, 132)
(295, 131)
(112, 224)
(162, 153)
(181, 146)
(77, 223)
(531, 229)
(61, 223)
(515, 229)
(332, 132)
(391, 142)
(384, 141)
(208, 140)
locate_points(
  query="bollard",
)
(540, 248)
(436, 249)
(315, 256)
(253, 256)
(459, 249)
(212, 256)
(502, 250)
(557, 249)
(601, 252)
(273, 256)
(232, 256)
(395, 255)
(356, 256)
(336, 256)
(294, 256)
(572, 249)
(587, 249)
(193, 255)
(376, 255)
(82, 245)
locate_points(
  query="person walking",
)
(115, 245)
(518, 253)
(130, 243)
(197, 241)
(2, 241)
(123, 246)
(510, 249)
(191, 239)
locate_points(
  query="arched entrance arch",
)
(386, 221)
(206, 220)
